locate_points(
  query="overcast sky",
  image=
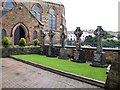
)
(88, 14)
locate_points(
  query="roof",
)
(53, 1)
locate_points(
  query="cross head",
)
(78, 32)
(99, 31)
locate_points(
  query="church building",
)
(26, 19)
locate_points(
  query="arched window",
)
(3, 33)
(37, 12)
(7, 5)
(34, 35)
(52, 19)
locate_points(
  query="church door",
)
(19, 33)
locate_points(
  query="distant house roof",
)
(53, 1)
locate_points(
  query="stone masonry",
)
(113, 78)
(21, 14)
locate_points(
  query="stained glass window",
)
(36, 12)
(3, 33)
(8, 4)
(34, 35)
(52, 19)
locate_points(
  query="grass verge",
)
(82, 69)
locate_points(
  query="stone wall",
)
(110, 54)
(16, 51)
(113, 79)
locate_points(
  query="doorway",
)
(18, 34)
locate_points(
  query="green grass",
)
(82, 69)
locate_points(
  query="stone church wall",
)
(21, 13)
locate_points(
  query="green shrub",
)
(6, 42)
(36, 41)
(15, 46)
(22, 42)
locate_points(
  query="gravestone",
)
(99, 55)
(51, 48)
(63, 50)
(78, 52)
(43, 42)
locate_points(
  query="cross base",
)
(51, 52)
(43, 50)
(63, 54)
(79, 56)
(99, 60)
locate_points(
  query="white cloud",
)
(88, 14)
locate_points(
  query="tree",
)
(108, 35)
(110, 43)
(89, 40)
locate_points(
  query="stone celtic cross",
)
(99, 32)
(78, 34)
(43, 36)
(63, 37)
(51, 34)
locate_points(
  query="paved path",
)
(16, 74)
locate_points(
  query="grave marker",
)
(51, 49)
(63, 50)
(43, 42)
(78, 52)
(99, 55)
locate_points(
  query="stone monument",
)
(78, 52)
(63, 50)
(99, 55)
(51, 48)
(43, 42)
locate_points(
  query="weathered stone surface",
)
(51, 48)
(78, 52)
(99, 55)
(15, 51)
(24, 15)
(63, 50)
(113, 79)
(63, 53)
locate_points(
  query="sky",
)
(88, 14)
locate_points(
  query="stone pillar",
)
(51, 49)
(43, 42)
(78, 52)
(63, 50)
(99, 55)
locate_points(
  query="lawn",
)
(82, 69)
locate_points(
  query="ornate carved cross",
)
(99, 32)
(51, 34)
(78, 32)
